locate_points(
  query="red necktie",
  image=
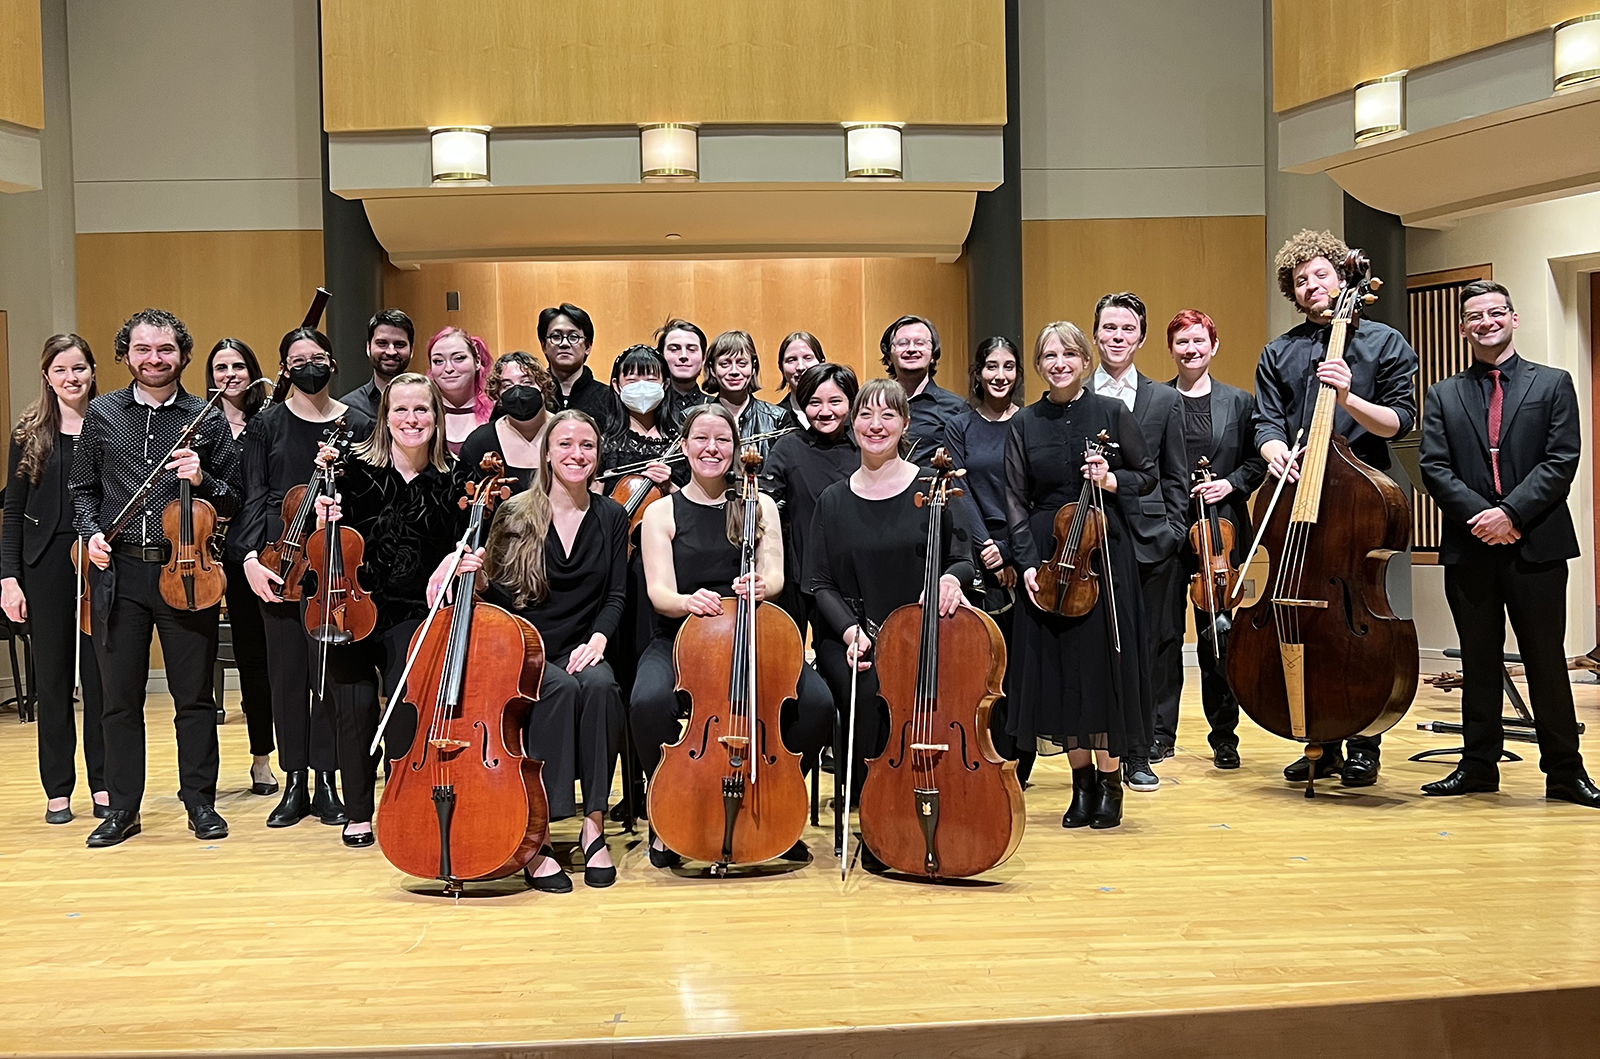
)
(1496, 403)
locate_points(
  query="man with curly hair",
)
(1375, 402)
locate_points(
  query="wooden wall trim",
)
(1449, 276)
(21, 64)
(387, 64)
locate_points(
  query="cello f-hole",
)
(968, 762)
(894, 763)
(705, 737)
(483, 732)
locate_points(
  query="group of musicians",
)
(842, 539)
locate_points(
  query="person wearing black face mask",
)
(280, 447)
(518, 385)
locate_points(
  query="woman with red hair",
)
(459, 363)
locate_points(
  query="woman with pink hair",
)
(458, 363)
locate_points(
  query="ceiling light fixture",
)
(460, 154)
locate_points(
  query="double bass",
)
(1320, 655)
(465, 803)
(939, 802)
(729, 791)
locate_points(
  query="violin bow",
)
(1104, 445)
(1261, 530)
(1203, 470)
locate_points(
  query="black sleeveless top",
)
(702, 555)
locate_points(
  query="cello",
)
(1320, 656)
(729, 791)
(286, 556)
(464, 803)
(939, 802)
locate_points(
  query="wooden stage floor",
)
(1228, 917)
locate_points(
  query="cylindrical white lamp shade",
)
(872, 151)
(460, 153)
(1381, 107)
(669, 152)
(1577, 51)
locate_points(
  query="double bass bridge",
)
(1315, 604)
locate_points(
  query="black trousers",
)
(189, 646)
(1162, 586)
(1216, 697)
(50, 587)
(249, 658)
(354, 674)
(305, 735)
(655, 709)
(1005, 744)
(872, 715)
(576, 730)
(1483, 593)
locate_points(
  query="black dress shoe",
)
(593, 876)
(295, 805)
(1461, 782)
(101, 811)
(1081, 810)
(1107, 800)
(1225, 756)
(1360, 770)
(58, 816)
(359, 840)
(264, 787)
(557, 882)
(206, 823)
(1579, 790)
(1162, 751)
(1331, 763)
(662, 858)
(118, 826)
(325, 801)
(799, 852)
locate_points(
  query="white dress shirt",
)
(1124, 389)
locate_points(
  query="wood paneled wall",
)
(1323, 47)
(1215, 264)
(22, 64)
(845, 302)
(252, 285)
(394, 64)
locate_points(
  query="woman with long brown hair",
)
(37, 581)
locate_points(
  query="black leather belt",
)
(154, 553)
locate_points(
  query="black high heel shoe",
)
(662, 858)
(556, 882)
(592, 876)
(263, 786)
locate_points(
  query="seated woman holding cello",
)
(692, 546)
(557, 556)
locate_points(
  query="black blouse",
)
(588, 588)
(280, 451)
(408, 528)
(979, 445)
(799, 467)
(479, 444)
(872, 552)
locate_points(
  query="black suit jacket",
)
(1159, 520)
(1540, 440)
(33, 513)
(1234, 455)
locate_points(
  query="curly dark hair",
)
(1304, 246)
(155, 318)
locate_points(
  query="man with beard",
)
(566, 334)
(127, 436)
(683, 346)
(389, 339)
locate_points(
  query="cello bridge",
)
(940, 747)
(448, 744)
(734, 742)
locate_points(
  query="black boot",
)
(325, 802)
(295, 805)
(1107, 800)
(1083, 796)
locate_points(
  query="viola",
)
(286, 556)
(1069, 585)
(939, 802)
(1320, 655)
(635, 492)
(339, 611)
(193, 578)
(1212, 538)
(729, 791)
(464, 803)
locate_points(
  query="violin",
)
(193, 578)
(1320, 655)
(339, 611)
(939, 802)
(729, 791)
(635, 492)
(1212, 538)
(1069, 585)
(465, 803)
(286, 556)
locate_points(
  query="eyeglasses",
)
(911, 343)
(1492, 314)
(298, 362)
(563, 338)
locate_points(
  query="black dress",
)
(576, 727)
(799, 467)
(479, 444)
(1068, 687)
(866, 557)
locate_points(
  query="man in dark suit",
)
(1157, 521)
(1500, 446)
(1219, 425)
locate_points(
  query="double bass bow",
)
(939, 802)
(729, 791)
(465, 803)
(1211, 538)
(1320, 656)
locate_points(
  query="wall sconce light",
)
(1577, 51)
(460, 154)
(872, 151)
(669, 152)
(1381, 107)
